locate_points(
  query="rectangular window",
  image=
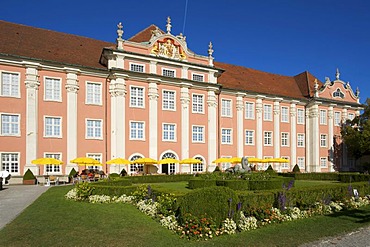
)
(97, 157)
(53, 168)
(198, 134)
(169, 132)
(10, 162)
(94, 129)
(9, 84)
(198, 103)
(300, 116)
(300, 162)
(53, 89)
(168, 73)
(93, 93)
(225, 108)
(268, 138)
(226, 136)
(197, 77)
(168, 100)
(284, 139)
(285, 165)
(137, 131)
(300, 140)
(137, 97)
(249, 136)
(322, 140)
(10, 125)
(249, 110)
(267, 112)
(351, 116)
(52, 127)
(323, 162)
(322, 117)
(337, 118)
(284, 114)
(137, 67)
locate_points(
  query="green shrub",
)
(217, 169)
(296, 169)
(353, 177)
(160, 178)
(28, 175)
(123, 173)
(196, 183)
(84, 190)
(331, 176)
(252, 200)
(116, 182)
(113, 175)
(234, 184)
(273, 183)
(72, 173)
(218, 203)
(113, 190)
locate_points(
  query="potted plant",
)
(29, 178)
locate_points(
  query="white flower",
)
(247, 223)
(229, 226)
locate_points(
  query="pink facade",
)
(149, 96)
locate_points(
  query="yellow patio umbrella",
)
(168, 161)
(118, 161)
(84, 161)
(190, 161)
(280, 160)
(145, 161)
(222, 160)
(235, 160)
(254, 160)
(46, 161)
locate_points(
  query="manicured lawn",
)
(55, 221)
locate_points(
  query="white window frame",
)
(301, 162)
(96, 156)
(169, 101)
(323, 162)
(11, 124)
(227, 138)
(285, 165)
(137, 131)
(134, 167)
(133, 65)
(323, 117)
(267, 112)
(17, 172)
(300, 116)
(249, 140)
(96, 100)
(165, 70)
(198, 167)
(226, 108)
(284, 114)
(267, 138)
(249, 110)
(169, 132)
(53, 135)
(101, 129)
(136, 103)
(17, 94)
(337, 118)
(55, 169)
(55, 96)
(197, 104)
(194, 75)
(266, 165)
(285, 140)
(351, 116)
(200, 138)
(300, 139)
(323, 140)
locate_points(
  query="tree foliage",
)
(356, 133)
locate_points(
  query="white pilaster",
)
(344, 148)
(330, 137)
(277, 130)
(117, 90)
(32, 86)
(184, 72)
(307, 140)
(120, 60)
(293, 136)
(239, 125)
(259, 136)
(72, 89)
(212, 127)
(153, 67)
(315, 144)
(185, 128)
(153, 121)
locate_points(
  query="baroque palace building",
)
(67, 96)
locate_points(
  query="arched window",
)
(338, 93)
(171, 167)
(198, 167)
(135, 168)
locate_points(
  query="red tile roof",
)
(26, 41)
(144, 35)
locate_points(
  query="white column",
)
(72, 89)
(185, 128)
(153, 121)
(330, 137)
(212, 128)
(120, 61)
(32, 86)
(259, 134)
(239, 125)
(315, 144)
(184, 72)
(307, 140)
(276, 129)
(293, 136)
(153, 67)
(117, 90)
(344, 148)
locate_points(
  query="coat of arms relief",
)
(168, 49)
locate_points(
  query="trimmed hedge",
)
(116, 182)
(346, 177)
(234, 184)
(353, 177)
(160, 178)
(110, 190)
(218, 203)
(273, 183)
(196, 183)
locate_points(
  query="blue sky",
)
(284, 37)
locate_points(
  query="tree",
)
(356, 133)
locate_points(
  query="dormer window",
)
(338, 93)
